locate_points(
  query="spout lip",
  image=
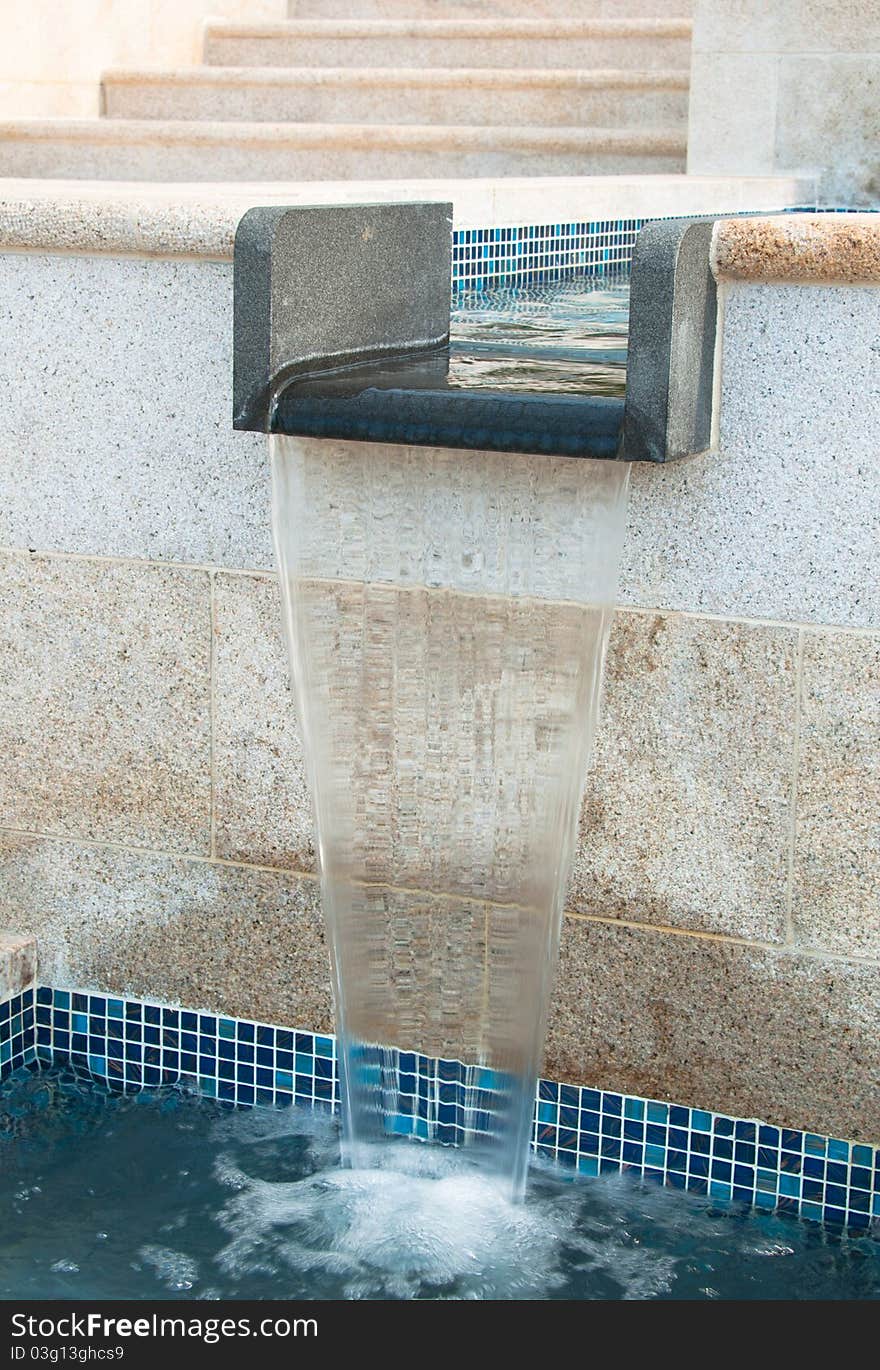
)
(461, 419)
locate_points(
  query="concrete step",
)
(189, 150)
(634, 44)
(489, 9)
(588, 99)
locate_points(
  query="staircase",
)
(491, 88)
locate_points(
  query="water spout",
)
(447, 601)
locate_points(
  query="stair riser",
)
(628, 53)
(373, 104)
(489, 9)
(100, 161)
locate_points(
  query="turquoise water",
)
(564, 337)
(166, 1195)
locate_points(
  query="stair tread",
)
(316, 134)
(672, 78)
(451, 28)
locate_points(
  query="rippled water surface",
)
(564, 337)
(164, 1195)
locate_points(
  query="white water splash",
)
(424, 1223)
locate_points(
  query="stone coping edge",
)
(148, 219)
(800, 249)
(18, 963)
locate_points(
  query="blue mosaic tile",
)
(131, 1045)
(830, 209)
(18, 1023)
(532, 253)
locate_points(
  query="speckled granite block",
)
(766, 1034)
(796, 26)
(221, 938)
(748, 140)
(18, 963)
(263, 809)
(246, 942)
(105, 701)
(812, 249)
(145, 463)
(165, 219)
(844, 122)
(784, 521)
(836, 901)
(120, 440)
(686, 813)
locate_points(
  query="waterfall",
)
(447, 615)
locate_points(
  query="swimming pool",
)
(166, 1195)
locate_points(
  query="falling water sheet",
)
(447, 619)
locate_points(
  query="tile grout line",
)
(197, 858)
(123, 559)
(793, 793)
(270, 574)
(415, 890)
(661, 929)
(724, 938)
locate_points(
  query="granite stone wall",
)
(810, 69)
(722, 939)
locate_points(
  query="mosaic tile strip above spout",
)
(483, 257)
(133, 1045)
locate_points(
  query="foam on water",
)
(420, 1227)
(421, 1222)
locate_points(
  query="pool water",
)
(527, 369)
(164, 1194)
(561, 337)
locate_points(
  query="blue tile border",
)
(730, 1159)
(18, 1043)
(531, 253)
(829, 209)
(135, 1044)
